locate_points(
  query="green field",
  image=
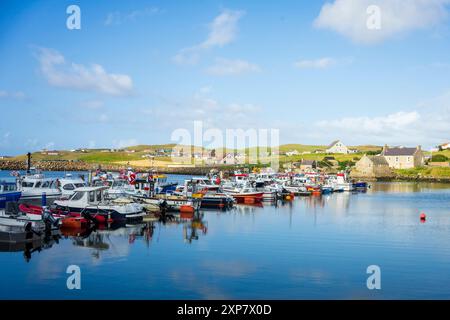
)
(435, 172)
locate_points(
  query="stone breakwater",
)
(86, 166)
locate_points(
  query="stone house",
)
(308, 165)
(372, 166)
(403, 158)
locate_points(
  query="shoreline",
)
(87, 166)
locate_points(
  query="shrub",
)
(439, 158)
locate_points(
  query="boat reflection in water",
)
(102, 239)
(407, 187)
(16, 240)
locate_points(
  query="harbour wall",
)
(86, 166)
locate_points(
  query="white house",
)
(292, 153)
(445, 146)
(230, 158)
(337, 147)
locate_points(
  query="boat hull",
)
(9, 197)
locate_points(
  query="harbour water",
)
(310, 248)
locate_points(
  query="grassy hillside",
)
(437, 172)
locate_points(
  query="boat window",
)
(80, 185)
(77, 196)
(27, 184)
(99, 195)
(69, 186)
(38, 184)
(91, 196)
(46, 184)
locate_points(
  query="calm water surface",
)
(311, 248)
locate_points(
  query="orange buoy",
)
(423, 216)
(74, 222)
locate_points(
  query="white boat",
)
(92, 200)
(35, 185)
(12, 217)
(116, 188)
(68, 184)
(341, 183)
(170, 202)
(203, 183)
(295, 189)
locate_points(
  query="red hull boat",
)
(251, 197)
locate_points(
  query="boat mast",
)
(28, 163)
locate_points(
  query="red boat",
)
(60, 214)
(248, 197)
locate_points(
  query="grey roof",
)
(333, 143)
(308, 162)
(378, 160)
(399, 151)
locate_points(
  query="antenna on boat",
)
(28, 163)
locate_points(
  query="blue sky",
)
(138, 70)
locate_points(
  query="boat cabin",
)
(38, 182)
(69, 184)
(241, 178)
(7, 187)
(88, 196)
(8, 193)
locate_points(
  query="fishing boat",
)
(92, 200)
(161, 184)
(68, 184)
(342, 183)
(203, 183)
(8, 193)
(327, 189)
(13, 217)
(216, 200)
(246, 194)
(360, 185)
(170, 202)
(34, 186)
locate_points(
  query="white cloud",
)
(19, 95)
(123, 143)
(118, 18)
(202, 107)
(60, 73)
(223, 30)
(49, 145)
(321, 63)
(375, 125)
(225, 67)
(427, 125)
(350, 17)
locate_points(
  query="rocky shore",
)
(85, 166)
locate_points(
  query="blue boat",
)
(8, 193)
(360, 185)
(327, 190)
